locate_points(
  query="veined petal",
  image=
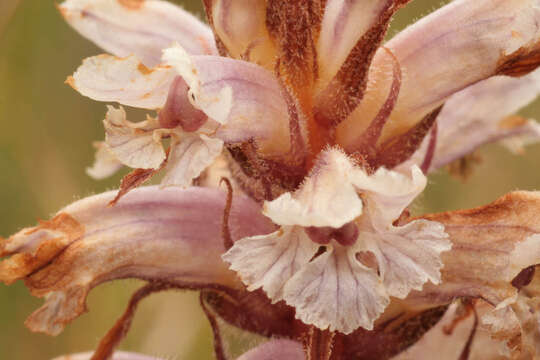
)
(450, 346)
(124, 80)
(388, 193)
(326, 198)
(352, 31)
(344, 22)
(136, 145)
(241, 26)
(276, 349)
(482, 113)
(189, 156)
(490, 246)
(141, 28)
(105, 163)
(119, 355)
(408, 256)
(244, 97)
(458, 45)
(152, 234)
(335, 291)
(269, 261)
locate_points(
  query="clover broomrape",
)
(325, 136)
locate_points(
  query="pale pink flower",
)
(328, 136)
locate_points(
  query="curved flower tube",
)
(152, 235)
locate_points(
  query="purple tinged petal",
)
(152, 234)
(491, 245)
(454, 47)
(142, 28)
(241, 26)
(245, 98)
(119, 355)
(276, 349)
(481, 114)
(123, 80)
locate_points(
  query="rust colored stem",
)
(318, 344)
(219, 350)
(225, 229)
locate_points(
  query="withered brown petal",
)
(153, 234)
(491, 245)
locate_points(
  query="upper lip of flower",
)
(318, 92)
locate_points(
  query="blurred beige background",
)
(46, 131)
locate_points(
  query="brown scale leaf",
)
(135, 179)
(400, 148)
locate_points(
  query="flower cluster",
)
(324, 135)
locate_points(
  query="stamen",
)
(225, 229)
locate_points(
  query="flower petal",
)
(326, 198)
(269, 261)
(480, 114)
(276, 349)
(105, 163)
(408, 256)
(352, 31)
(241, 26)
(449, 346)
(141, 28)
(454, 47)
(152, 234)
(344, 22)
(119, 355)
(244, 97)
(189, 156)
(388, 193)
(135, 145)
(491, 245)
(126, 80)
(337, 292)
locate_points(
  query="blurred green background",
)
(46, 131)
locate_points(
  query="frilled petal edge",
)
(124, 80)
(327, 197)
(245, 98)
(491, 245)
